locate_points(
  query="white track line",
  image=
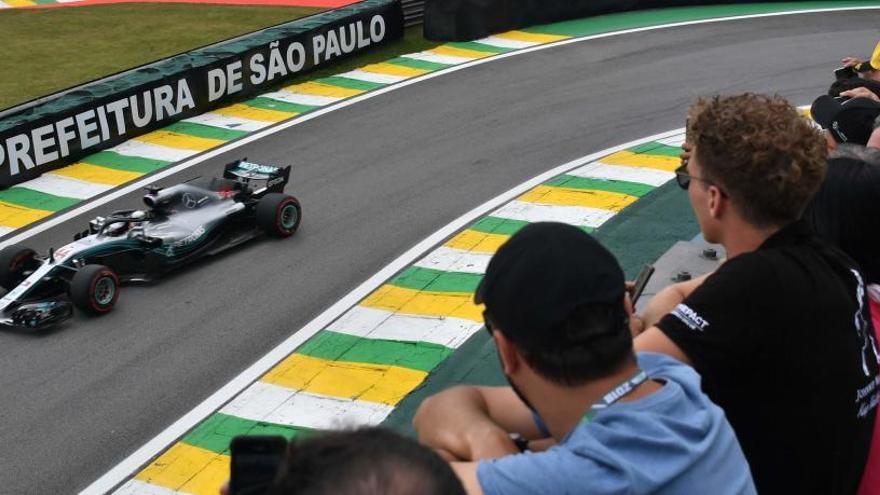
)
(228, 122)
(302, 98)
(379, 324)
(138, 487)
(573, 215)
(140, 149)
(506, 43)
(373, 77)
(599, 170)
(449, 259)
(153, 447)
(67, 187)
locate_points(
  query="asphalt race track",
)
(374, 179)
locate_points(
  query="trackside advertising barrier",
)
(64, 129)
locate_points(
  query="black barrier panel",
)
(40, 141)
(465, 20)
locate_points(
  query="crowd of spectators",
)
(761, 377)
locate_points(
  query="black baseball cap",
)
(540, 275)
(849, 121)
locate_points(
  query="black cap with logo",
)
(849, 121)
(540, 275)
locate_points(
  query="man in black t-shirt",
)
(780, 332)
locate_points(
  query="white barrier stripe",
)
(506, 43)
(284, 406)
(137, 487)
(141, 149)
(438, 59)
(302, 98)
(449, 259)
(228, 122)
(573, 215)
(373, 77)
(67, 187)
(676, 141)
(599, 170)
(372, 323)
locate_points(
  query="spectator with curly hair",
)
(781, 331)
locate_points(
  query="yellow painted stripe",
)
(321, 89)
(15, 216)
(188, 469)
(531, 37)
(369, 382)
(459, 52)
(19, 3)
(479, 242)
(630, 159)
(93, 173)
(253, 113)
(179, 141)
(394, 70)
(547, 195)
(424, 303)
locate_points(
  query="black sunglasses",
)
(683, 178)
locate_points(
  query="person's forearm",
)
(667, 299)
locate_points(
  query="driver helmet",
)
(116, 229)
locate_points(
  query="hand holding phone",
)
(641, 282)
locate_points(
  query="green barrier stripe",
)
(37, 200)
(632, 20)
(333, 346)
(480, 47)
(656, 149)
(417, 64)
(278, 105)
(344, 82)
(615, 186)
(215, 433)
(428, 279)
(205, 131)
(494, 225)
(116, 161)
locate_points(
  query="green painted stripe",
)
(615, 186)
(344, 82)
(37, 200)
(116, 161)
(215, 433)
(480, 47)
(205, 131)
(419, 278)
(335, 346)
(494, 225)
(278, 105)
(656, 149)
(417, 64)
(631, 20)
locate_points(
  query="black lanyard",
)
(615, 395)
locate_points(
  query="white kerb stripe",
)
(649, 176)
(302, 98)
(572, 215)
(154, 151)
(228, 122)
(673, 141)
(284, 406)
(449, 259)
(373, 77)
(438, 59)
(5, 230)
(506, 43)
(137, 487)
(4, 6)
(378, 324)
(68, 187)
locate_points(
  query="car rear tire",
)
(278, 214)
(15, 262)
(94, 289)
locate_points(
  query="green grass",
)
(47, 50)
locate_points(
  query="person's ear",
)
(507, 351)
(717, 202)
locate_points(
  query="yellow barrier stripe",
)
(253, 113)
(321, 89)
(15, 216)
(459, 52)
(478, 242)
(630, 159)
(94, 173)
(424, 303)
(394, 70)
(188, 469)
(531, 37)
(368, 382)
(179, 141)
(548, 195)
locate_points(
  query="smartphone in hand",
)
(255, 462)
(641, 282)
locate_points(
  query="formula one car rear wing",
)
(245, 171)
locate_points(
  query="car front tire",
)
(94, 289)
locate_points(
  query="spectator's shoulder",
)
(659, 365)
